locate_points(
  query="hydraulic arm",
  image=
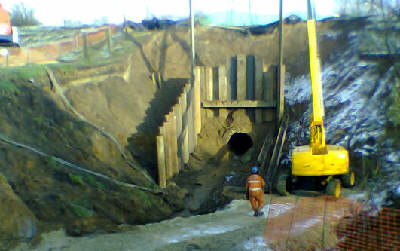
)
(317, 130)
(317, 159)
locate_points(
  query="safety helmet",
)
(254, 170)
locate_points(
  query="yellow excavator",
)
(328, 164)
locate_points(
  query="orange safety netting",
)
(328, 223)
(367, 230)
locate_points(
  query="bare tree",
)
(23, 16)
(362, 7)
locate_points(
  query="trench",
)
(240, 143)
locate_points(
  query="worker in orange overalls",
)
(255, 185)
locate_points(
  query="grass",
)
(80, 210)
(22, 73)
(39, 120)
(51, 162)
(144, 198)
(65, 67)
(6, 86)
(76, 179)
(93, 181)
(10, 76)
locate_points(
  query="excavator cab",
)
(328, 163)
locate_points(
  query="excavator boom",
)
(317, 159)
(317, 130)
(318, 106)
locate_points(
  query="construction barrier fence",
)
(328, 223)
(51, 52)
(370, 230)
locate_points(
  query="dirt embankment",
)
(51, 195)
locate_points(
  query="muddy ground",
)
(289, 223)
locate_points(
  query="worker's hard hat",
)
(254, 169)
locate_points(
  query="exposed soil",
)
(214, 169)
(56, 195)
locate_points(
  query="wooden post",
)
(185, 151)
(189, 116)
(183, 103)
(85, 46)
(250, 84)
(203, 84)
(197, 102)
(181, 140)
(174, 144)
(250, 78)
(192, 120)
(162, 180)
(194, 117)
(259, 94)
(185, 127)
(164, 132)
(269, 83)
(241, 77)
(192, 124)
(168, 150)
(209, 90)
(109, 40)
(231, 76)
(177, 111)
(222, 89)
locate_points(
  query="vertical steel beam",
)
(192, 40)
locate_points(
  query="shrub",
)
(394, 110)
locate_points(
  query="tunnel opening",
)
(240, 143)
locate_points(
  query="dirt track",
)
(293, 222)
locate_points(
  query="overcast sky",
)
(54, 12)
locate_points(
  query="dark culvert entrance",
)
(240, 143)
